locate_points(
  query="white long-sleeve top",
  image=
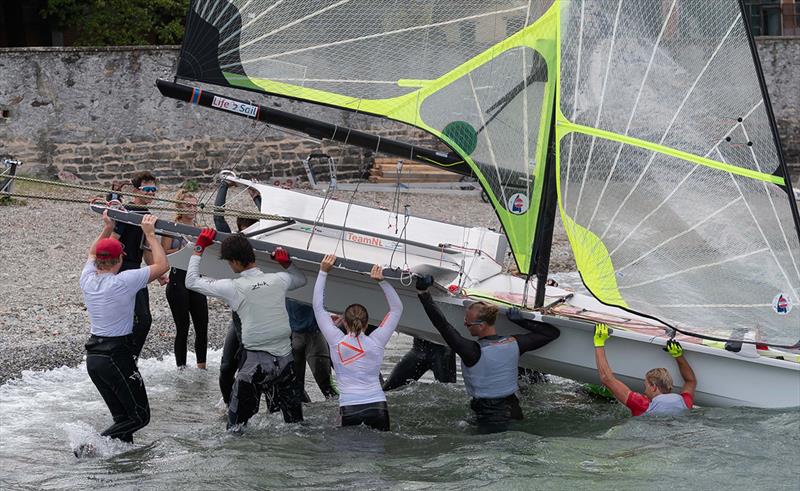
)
(260, 300)
(357, 360)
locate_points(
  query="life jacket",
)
(495, 374)
(666, 405)
(265, 323)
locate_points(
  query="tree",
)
(120, 22)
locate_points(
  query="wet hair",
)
(182, 195)
(356, 319)
(106, 264)
(661, 379)
(140, 177)
(237, 248)
(485, 312)
(243, 222)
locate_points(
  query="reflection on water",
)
(567, 440)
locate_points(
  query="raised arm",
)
(541, 332)
(390, 321)
(223, 289)
(158, 264)
(675, 349)
(468, 350)
(222, 196)
(108, 229)
(607, 378)
(329, 330)
(293, 276)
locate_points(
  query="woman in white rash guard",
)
(357, 356)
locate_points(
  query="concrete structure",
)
(95, 112)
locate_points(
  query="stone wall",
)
(96, 113)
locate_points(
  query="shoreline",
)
(44, 245)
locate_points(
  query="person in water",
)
(488, 365)
(357, 356)
(266, 365)
(110, 295)
(136, 249)
(232, 346)
(658, 398)
(184, 303)
(423, 356)
(309, 345)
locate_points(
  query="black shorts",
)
(496, 411)
(374, 414)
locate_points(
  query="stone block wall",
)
(95, 113)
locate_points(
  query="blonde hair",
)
(485, 312)
(182, 195)
(660, 379)
(356, 319)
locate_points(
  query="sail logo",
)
(234, 106)
(517, 203)
(781, 304)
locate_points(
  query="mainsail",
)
(671, 183)
(670, 180)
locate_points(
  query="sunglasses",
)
(148, 189)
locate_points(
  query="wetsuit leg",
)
(443, 363)
(411, 367)
(178, 300)
(319, 359)
(118, 380)
(299, 355)
(227, 367)
(198, 308)
(287, 395)
(375, 415)
(141, 320)
(245, 397)
(495, 414)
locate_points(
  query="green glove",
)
(600, 335)
(674, 348)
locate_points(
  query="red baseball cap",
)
(109, 248)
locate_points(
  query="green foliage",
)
(191, 185)
(120, 22)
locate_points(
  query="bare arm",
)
(108, 229)
(689, 380)
(166, 243)
(158, 264)
(607, 378)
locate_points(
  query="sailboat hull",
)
(724, 378)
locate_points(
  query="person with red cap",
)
(110, 296)
(266, 365)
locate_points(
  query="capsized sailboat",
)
(647, 125)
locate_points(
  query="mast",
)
(543, 239)
(311, 127)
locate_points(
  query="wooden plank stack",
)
(384, 171)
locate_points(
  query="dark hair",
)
(237, 248)
(356, 319)
(243, 222)
(140, 177)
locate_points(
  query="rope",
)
(215, 210)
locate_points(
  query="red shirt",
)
(638, 403)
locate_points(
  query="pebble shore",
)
(43, 246)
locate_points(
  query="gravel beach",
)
(43, 244)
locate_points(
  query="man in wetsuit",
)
(110, 295)
(423, 356)
(488, 365)
(658, 398)
(266, 364)
(136, 249)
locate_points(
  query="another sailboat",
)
(646, 124)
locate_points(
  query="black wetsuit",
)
(113, 371)
(132, 239)
(230, 358)
(489, 411)
(375, 415)
(423, 356)
(185, 303)
(309, 346)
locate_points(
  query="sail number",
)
(234, 106)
